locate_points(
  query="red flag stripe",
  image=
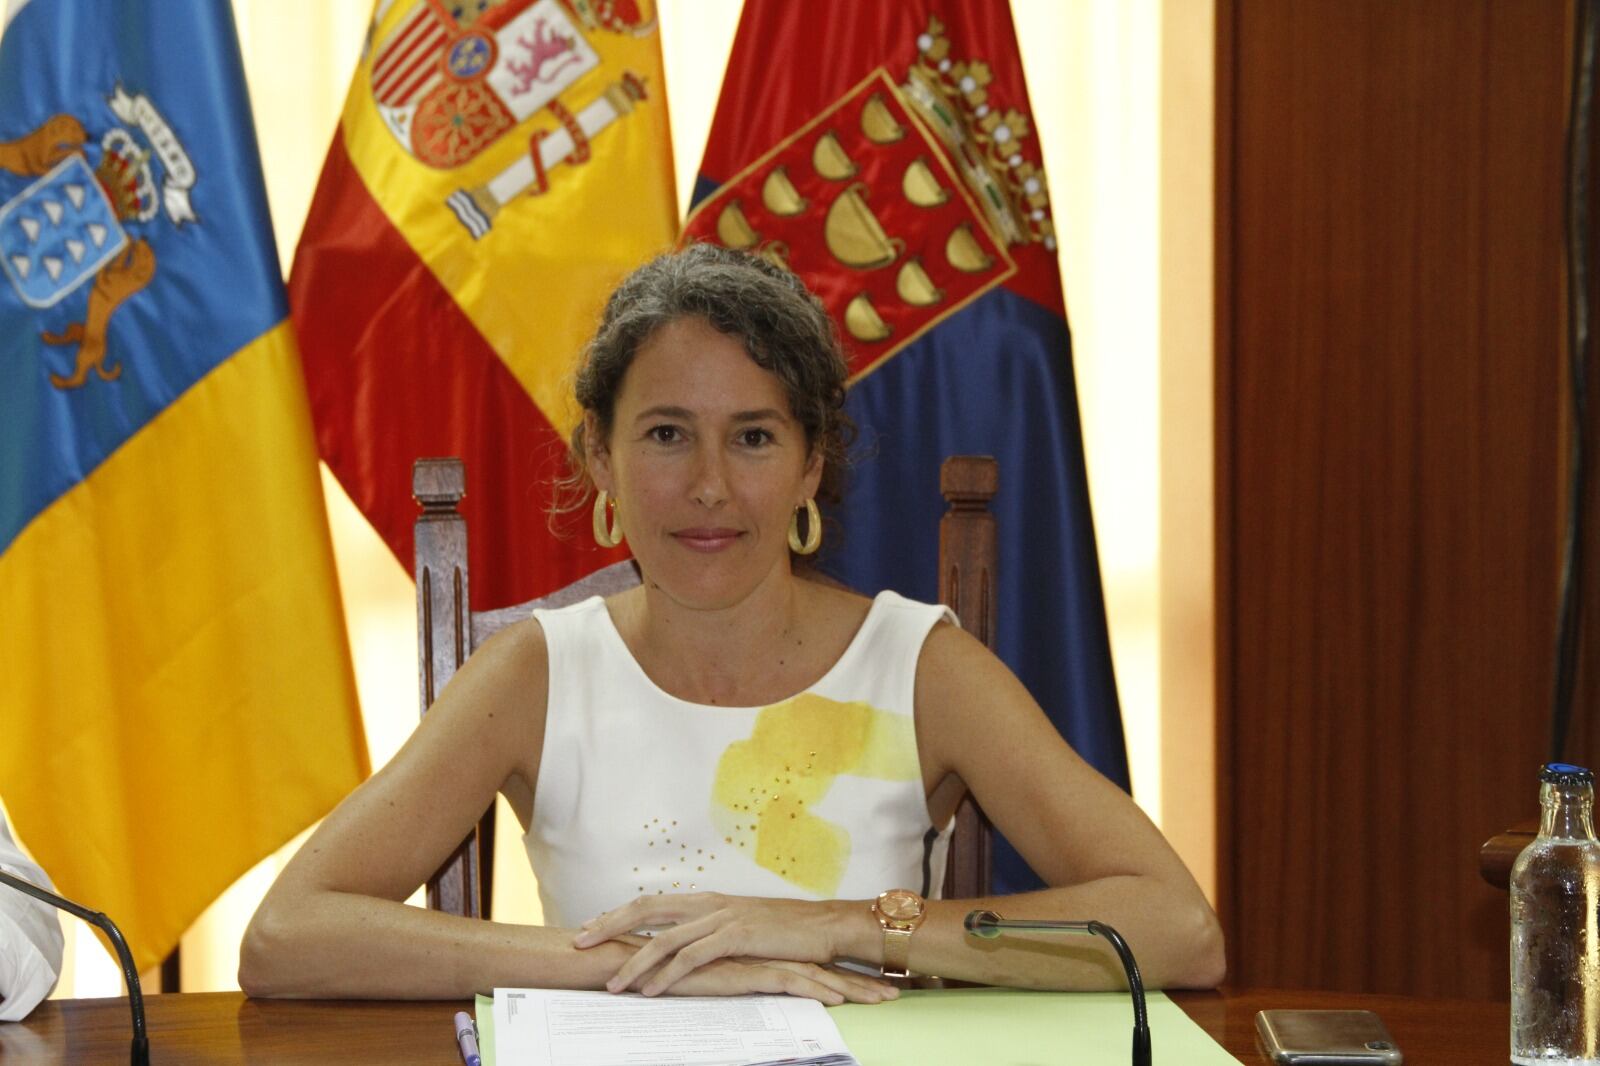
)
(374, 321)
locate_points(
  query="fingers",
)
(684, 945)
(701, 950)
(807, 985)
(728, 945)
(737, 977)
(730, 978)
(645, 911)
(855, 987)
(822, 983)
(626, 918)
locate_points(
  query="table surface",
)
(223, 1028)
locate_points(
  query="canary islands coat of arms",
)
(77, 226)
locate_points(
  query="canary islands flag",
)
(497, 170)
(886, 153)
(178, 697)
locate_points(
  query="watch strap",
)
(896, 952)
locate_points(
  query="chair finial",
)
(438, 484)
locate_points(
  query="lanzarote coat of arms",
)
(77, 225)
(451, 79)
(899, 203)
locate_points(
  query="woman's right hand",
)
(825, 984)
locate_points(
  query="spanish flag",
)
(178, 697)
(887, 154)
(498, 168)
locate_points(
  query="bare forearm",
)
(335, 945)
(1177, 944)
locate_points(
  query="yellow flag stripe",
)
(179, 696)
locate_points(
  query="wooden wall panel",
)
(1389, 420)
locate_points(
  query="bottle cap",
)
(1564, 773)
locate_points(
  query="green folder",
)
(997, 1027)
(483, 1010)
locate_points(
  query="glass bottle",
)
(1555, 941)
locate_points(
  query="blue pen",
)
(467, 1039)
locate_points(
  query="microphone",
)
(988, 925)
(141, 1044)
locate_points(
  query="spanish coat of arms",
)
(451, 79)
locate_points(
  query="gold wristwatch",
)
(899, 911)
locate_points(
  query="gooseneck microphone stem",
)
(988, 924)
(141, 1045)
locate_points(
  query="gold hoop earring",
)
(813, 539)
(604, 536)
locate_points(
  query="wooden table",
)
(224, 1028)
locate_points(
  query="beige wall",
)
(1188, 606)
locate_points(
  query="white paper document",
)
(543, 1027)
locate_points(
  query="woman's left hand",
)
(706, 926)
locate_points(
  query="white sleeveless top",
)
(816, 797)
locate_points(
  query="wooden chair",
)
(448, 631)
(1499, 852)
(967, 586)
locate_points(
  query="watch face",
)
(900, 905)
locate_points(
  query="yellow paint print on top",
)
(766, 786)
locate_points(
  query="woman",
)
(635, 737)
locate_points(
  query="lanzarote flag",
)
(887, 154)
(499, 166)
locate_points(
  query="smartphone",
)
(1326, 1038)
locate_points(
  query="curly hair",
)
(782, 326)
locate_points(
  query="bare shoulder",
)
(519, 647)
(967, 700)
(953, 662)
(516, 706)
(498, 695)
(511, 659)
